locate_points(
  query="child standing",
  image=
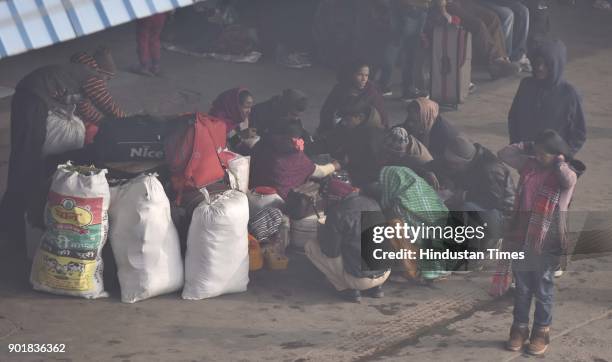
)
(547, 180)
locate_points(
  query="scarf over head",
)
(406, 192)
(428, 113)
(227, 107)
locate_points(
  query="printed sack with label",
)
(68, 260)
(144, 240)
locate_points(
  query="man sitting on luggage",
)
(480, 184)
(337, 253)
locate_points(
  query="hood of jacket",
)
(554, 54)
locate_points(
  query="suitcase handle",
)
(445, 66)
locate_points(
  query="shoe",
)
(559, 273)
(351, 295)
(156, 71)
(519, 335)
(295, 61)
(376, 292)
(472, 88)
(539, 341)
(386, 92)
(414, 93)
(141, 70)
(601, 5)
(503, 68)
(525, 64)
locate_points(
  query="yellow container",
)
(256, 259)
(275, 261)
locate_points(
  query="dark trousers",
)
(534, 280)
(28, 133)
(408, 25)
(485, 27)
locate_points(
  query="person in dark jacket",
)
(337, 252)
(481, 184)
(426, 124)
(360, 139)
(353, 82)
(547, 101)
(43, 90)
(290, 105)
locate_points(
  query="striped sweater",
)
(97, 102)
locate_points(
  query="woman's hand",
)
(337, 165)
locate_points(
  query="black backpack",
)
(135, 138)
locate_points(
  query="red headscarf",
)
(228, 108)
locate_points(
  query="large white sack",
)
(144, 239)
(65, 132)
(69, 258)
(217, 258)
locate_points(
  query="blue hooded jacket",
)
(551, 103)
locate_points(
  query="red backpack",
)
(192, 153)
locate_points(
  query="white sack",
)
(65, 132)
(144, 239)
(217, 258)
(239, 167)
(69, 258)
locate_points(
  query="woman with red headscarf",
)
(234, 107)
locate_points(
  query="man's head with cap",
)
(459, 153)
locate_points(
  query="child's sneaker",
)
(519, 335)
(539, 341)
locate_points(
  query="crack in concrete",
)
(7, 328)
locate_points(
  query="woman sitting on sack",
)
(234, 108)
(279, 161)
(353, 82)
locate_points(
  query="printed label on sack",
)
(75, 223)
(70, 274)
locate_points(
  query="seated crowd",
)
(411, 170)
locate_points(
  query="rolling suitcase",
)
(451, 64)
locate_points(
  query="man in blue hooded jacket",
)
(546, 100)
